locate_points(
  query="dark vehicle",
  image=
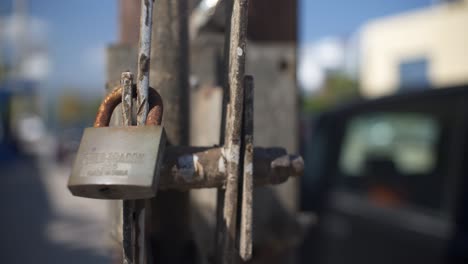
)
(388, 179)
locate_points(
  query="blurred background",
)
(312, 60)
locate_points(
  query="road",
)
(42, 223)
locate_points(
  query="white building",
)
(422, 49)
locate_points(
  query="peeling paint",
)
(186, 167)
(249, 168)
(198, 166)
(221, 165)
(240, 51)
(281, 162)
(232, 155)
(144, 54)
(147, 16)
(144, 65)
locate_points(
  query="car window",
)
(392, 158)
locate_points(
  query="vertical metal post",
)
(237, 50)
(144, 53)
(170, 230)
(126, 81)
(133, 211)
(170, 67)
(245, 235)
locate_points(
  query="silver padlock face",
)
(118, 162)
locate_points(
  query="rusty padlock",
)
(120, 162)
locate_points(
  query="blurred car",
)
(387, 179)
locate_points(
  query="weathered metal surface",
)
(133, 212)
(144, 54)
(181, 161)
(276, 113)
(237, 51)
(145, 115)
(245, 234)
(169, 66)
(187, 168)
(127, 98)
(115, 97)
(117, 162)
(133, 226)
(129, 224)
(171, 237)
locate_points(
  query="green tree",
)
(337, 88)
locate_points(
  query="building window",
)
(413, 75)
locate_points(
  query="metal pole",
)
(133, 211)
(170, 68)
(245, 235)
(171, 235)
(237, 51)
(127, 227)
(126, 81)
(144, 53)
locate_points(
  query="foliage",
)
(74, 109)
(337, 88)
(4, 71)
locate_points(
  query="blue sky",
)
(79, 30)
(329, 39)
(318, 19)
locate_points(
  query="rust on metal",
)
(144, 54)
(185, 168)
(147, 10)
(115, 97)
(144, 63)
(227, 231)
(128, 226)
(133, 211)
(126, 81)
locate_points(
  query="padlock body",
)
(118, 162)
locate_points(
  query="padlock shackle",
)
(111, 101)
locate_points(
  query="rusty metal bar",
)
(220, 194)
(114, 98)
(187, 168)
(126, 81)
(245, 234)
(232, 147)
(133, 211)
(144, 55)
